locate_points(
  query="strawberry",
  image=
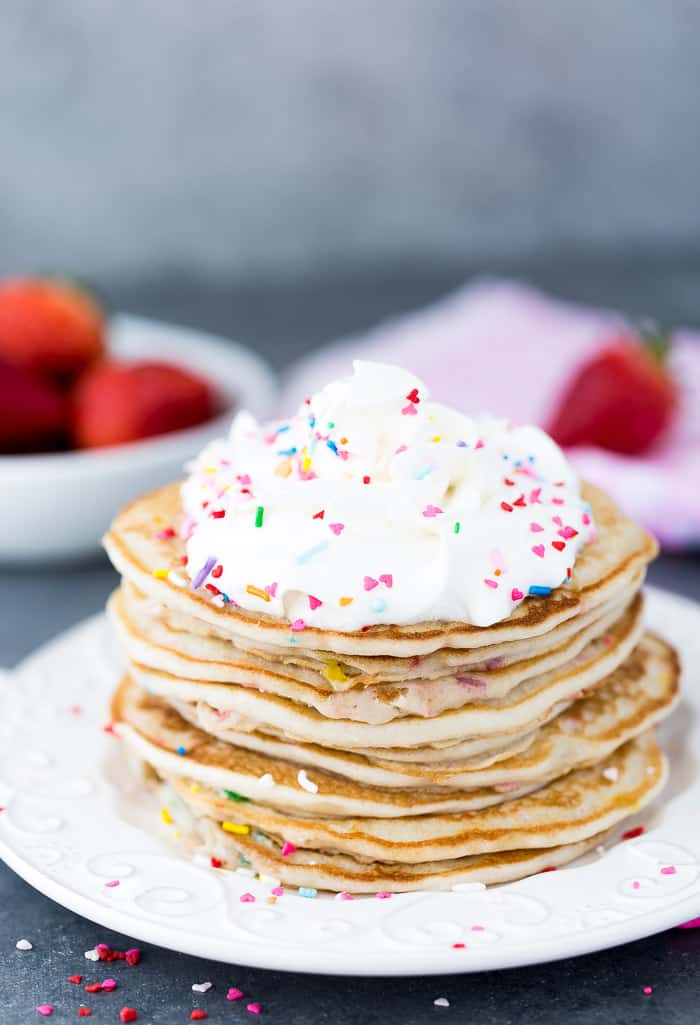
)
(33, 414)
(51, 327)
(119, 402)
(623, 399)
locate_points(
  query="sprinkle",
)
(307, 891)
(462, 444)
(337, 528)
(539, 589)
(559, 545)
(217, 571)
(181, 751)
(109, 985)
(441, 1002)
(257, 592)
(520, 502)
(259, 514)
(319, 515)
(310, 552)
(297, 626)
(459, 946)
(366, 479)
(332, 446)
(218, 514)
(535, 497)
(632, 834)
(413, 396)
(369, 583)
(247, 898)
(516, 594)
(266, 780)
(203, 573)
(344, 895)
(197, 1014)
(436, 438)
(166, 816)
(668, 870)
(400, 449)
(235, 827)
(409, 410)
(215, 862)
(457, 527)
(538, 550)
(314, 602)
(277, 891)
(612, 773)
(45, 1010)
(254, 1008)
(305, 783)
(84, 1012)
(377, 605)
(345, 601)
(506, 508)
(334, 673)
(161, 574)
(234, 994)
(432, 510)
(287, 848)
(112, 883)
(233, 796)
(479, 444)
(91, 955)
(383, 894)
(271, 590)
(422, 474)
(386, 579)
(491, 583)
(647, 991)
(24, 945)
(536, 527)
(165, 535)
(128, 1014)
(567, 533)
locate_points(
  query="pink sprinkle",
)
(535, 497)
(287, 848)
(383, 894)
(344, 895)
(557, 501)
(387, 579)
(45, 1010)
(234, 994)
(491, 583)
(253, 1008)
(409, 410)
(247, 898)
(647, 991)
(538, 550)
(479, 444)
(694, 923)
(558, 520)
(400, 449)
(271, 589)
(109, 984)
(166, 534)
(278, 891)
(369, 583)
(298, 625)
(314, 603)
(636, 884)
(244, 478)
(536, 528)
(478, 928)
(337, 528)
(516, 594)
(113, 882)
(585, 519)
(432, 510)
(567, 533)
(668, 870)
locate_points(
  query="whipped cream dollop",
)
(375, 505)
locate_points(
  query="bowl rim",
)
(233, 360)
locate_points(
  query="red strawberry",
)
(622, 399)
(53, 328)
(33, 415)
(120, 402)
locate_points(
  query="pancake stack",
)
(392, 758)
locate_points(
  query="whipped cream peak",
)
(375, 505)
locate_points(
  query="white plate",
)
(58, 505)
(73, 823)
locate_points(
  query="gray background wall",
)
(279, 136)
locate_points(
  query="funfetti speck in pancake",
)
(385, 609)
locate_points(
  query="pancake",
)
(149, 642)
(603, 571)
(632, 700)
(523, 709)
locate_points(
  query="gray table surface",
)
(282, 321)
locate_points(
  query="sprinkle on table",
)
(24, 945)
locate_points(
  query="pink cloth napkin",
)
(507, 349)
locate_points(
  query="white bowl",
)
(57, 506)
